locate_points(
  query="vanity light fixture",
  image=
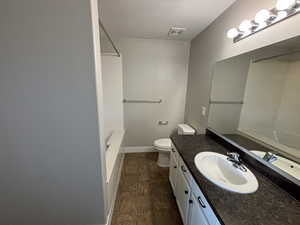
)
(233, 33)
(247, 26)
(285, 4)
(281, 15)
(265, 18)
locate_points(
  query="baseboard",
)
(111, 211)
(139, 149)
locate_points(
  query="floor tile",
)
(145, 196)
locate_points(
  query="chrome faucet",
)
(270, 157)
(236, 161)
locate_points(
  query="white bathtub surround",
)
(113, 151)
(112, 94)
(113, 183)
(112, 77)
(114, 163)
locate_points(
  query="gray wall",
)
(212, 45)
(49, 141)
(153, 69)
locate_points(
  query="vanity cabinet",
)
(182, 196)
(192, 205)
(180, 186)
(173, 171)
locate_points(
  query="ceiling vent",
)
(175, 31)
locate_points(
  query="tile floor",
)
(145, 196)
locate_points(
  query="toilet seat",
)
(163, 144)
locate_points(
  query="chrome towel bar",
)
(142, 101)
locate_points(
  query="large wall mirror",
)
(255, 102)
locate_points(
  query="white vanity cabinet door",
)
(196, 214)
(173, 172)
(182, 196)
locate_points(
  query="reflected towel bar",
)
(226, 102)
(142, 101)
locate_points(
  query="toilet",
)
(163, 146)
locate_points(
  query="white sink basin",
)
(288, 166)
(216, 168)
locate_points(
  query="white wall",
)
(212, 45)
(153, 69)
(112, 75)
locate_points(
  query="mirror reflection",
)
(255, 102)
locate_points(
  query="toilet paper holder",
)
(163, 122)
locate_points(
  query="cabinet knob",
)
(173, 150)
(191, 201)
(186, 192)
(175, 167)
(183, 169)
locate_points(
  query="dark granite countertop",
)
(269, 205)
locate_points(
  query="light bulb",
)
(233, 33)
(246, 25)
(262, 16)
(285, 4)
(281, 15)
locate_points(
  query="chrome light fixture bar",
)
(264, 19)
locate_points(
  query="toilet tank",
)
(185, 129)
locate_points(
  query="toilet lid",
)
(164, 143)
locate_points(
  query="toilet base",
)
(163, 159)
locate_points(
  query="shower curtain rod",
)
(109, 38)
